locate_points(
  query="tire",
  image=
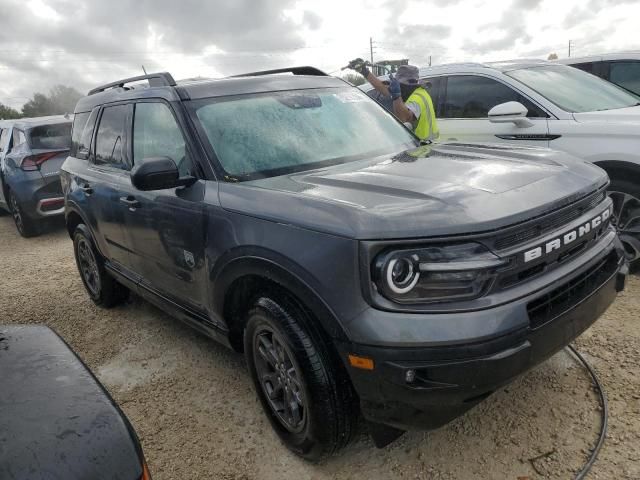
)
(103, 289)
(626, 198)
(327, 414)
(26, 226)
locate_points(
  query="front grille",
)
(550, 222)
(567, 296)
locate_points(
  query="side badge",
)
(188, 258)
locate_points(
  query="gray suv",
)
(31, 153)
(292, 218)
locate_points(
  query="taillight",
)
(34, 162)
(145, 472)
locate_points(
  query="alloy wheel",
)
(280, 379)
(17, 214)
(626, 218)
(88, 267)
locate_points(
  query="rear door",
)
(166, 227)
(463, 104)
(107, 181)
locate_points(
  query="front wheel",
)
(102, 288)
(301, 387)
(626, 213)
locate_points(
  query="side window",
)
(18, 139)
(4, 139)
(386, 102)
(157, 134)
(627, 75)
(79, 123)
(586, 67)
(434, 86)
(110, 138)
(469, 96)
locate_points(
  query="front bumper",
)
(426, 387)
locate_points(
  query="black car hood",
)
(430, 191)
(56, 420)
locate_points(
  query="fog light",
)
(410, 375)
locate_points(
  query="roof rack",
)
(161, 79)
(295, 70)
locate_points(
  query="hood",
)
(629, 114)
(430, 191)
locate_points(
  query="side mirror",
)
(83, 153)
(158, 173)
(510, 112)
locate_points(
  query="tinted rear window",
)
(49, 137)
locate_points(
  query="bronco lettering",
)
(568, 238)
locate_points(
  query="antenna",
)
(143, 69)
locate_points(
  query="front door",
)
(463, 106)
(166, 228)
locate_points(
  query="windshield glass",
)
(271, 134)
(51, 136)
(574, 90)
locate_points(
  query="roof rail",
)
(295, 70)
(161, 79)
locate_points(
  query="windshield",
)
(264, 135)
(45, 137)
(574, 90)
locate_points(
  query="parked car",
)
(623, 68)
(292, 218)
(58, 421)
(544, 104)
(31, 153)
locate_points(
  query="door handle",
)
(86, 188)
(131, 202)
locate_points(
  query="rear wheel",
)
(626, 212)
(26, 227)
(303, 391)
(103, 289)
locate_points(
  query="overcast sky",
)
(85, 43)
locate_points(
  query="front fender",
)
(256, 261)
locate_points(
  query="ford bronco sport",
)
(293, 219)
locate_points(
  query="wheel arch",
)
(252, 273)
(74, 217)
(620, 169)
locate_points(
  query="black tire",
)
(26, 226)
(102, 288)
(328, 415)
(626, 197)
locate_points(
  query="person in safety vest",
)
(411, 101)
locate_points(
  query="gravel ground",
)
(193, 406)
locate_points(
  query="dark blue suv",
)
(289, 216)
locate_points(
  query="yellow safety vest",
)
(427, 128)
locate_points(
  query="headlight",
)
(436, 273)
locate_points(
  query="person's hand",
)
(360, 66)
(394, 88)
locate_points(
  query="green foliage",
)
(7, 113)
(61, 99)
(354, 78)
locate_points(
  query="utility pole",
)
(569, 48)
(371, 49)
(429, 60)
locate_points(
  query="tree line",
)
(60, 100)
